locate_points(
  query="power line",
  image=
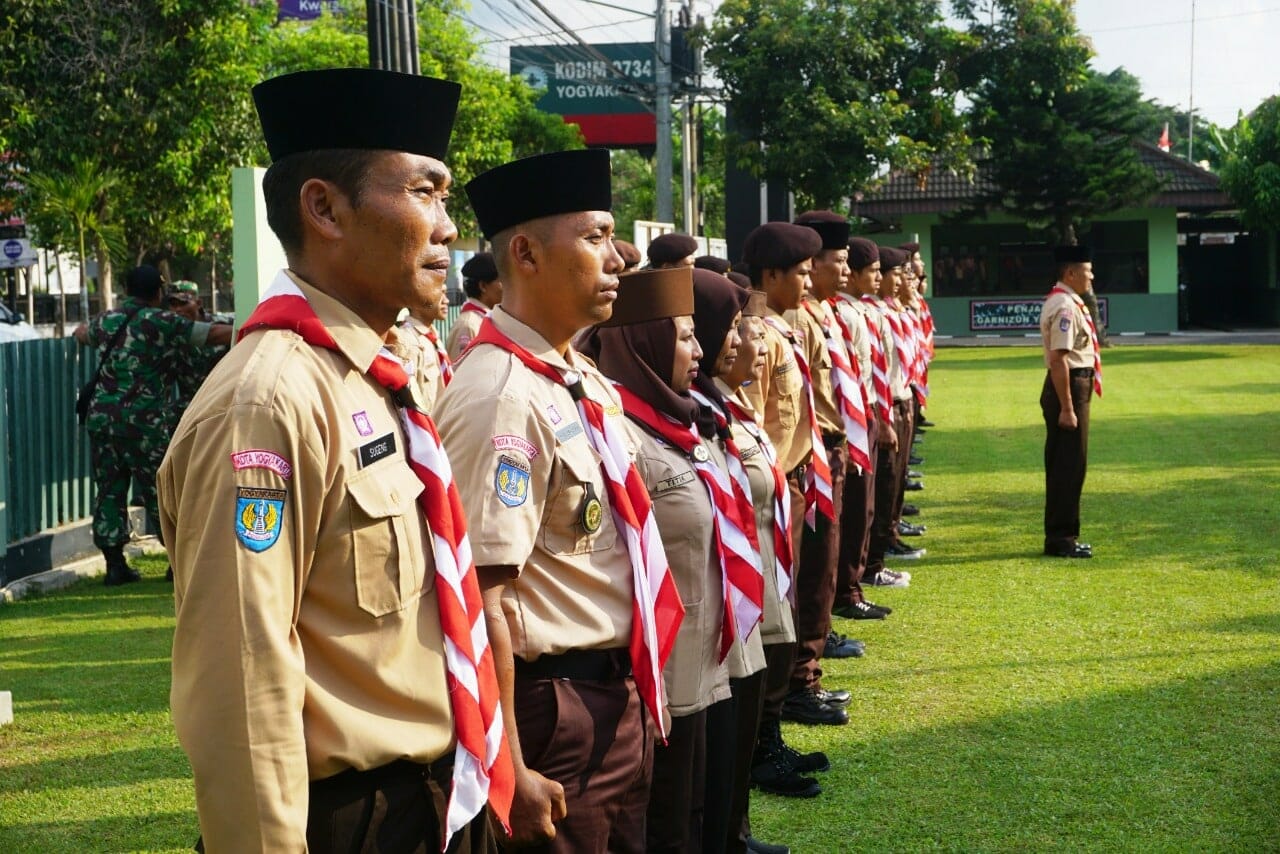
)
(558, 32)
(1199, 19)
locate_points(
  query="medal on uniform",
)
(700, 453)
(592, 511)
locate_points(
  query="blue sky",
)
(1237, 42)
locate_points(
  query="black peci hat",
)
(542, 185)
(831, 227)
(361, 108)
(480, 267)
(780, 246)
(1072, 255)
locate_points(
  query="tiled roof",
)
(1185, 186)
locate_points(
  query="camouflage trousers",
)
(118, 462)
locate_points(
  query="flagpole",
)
(1191, 109)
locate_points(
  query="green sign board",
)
(578, 82)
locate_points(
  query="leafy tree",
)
(834, 93)
(1251, 174)
(1057, 137)
(1154, 116)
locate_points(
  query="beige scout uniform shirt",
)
(308, 635)
(853, 315)
(464, 329)
(776, 627)
(897, 377)
(779, 396)
(694, 675)
(427, 377)
(526, 471)
(815, 348)
(1063, 326)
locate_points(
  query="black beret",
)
(712, 263)
(144, 279)
(669, 248)
(831, 227)
(780, 245)
(862, 253)
(631, 256)
(480, 267)
(652, 295)
(543, 185)
(361, 108)
(740, 279)
(1072, 255)
(892, 257)
(909, 248)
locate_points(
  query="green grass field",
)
(1011, 703)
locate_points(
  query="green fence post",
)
(4, 452)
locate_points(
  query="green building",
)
(988, 276)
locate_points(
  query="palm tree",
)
(75, 204)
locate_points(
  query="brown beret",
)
(892, 257)
(631, 256)
(831, 227)
(652, 295)
(780, 246)
(543, 185)
(910, 248)
(712, 263)
(862, 253)
(670, 248)
(1072, 255)
(480, 267)
(742, 280)
(756, 305)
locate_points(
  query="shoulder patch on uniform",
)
(1064, 323)
(664, 486)
(259, 517)
(511, 481)
(507, 442)
(257, 458)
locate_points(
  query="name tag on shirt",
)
(673, 483)
(377, 449)
(750, 452)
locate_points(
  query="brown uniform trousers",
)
(1066, 455)
(856, 518)
(891, 473)
(815, 574)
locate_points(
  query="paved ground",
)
(67, 574)
(1196, 336)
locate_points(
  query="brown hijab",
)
(716, 301)
(641, 357)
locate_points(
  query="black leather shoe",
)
(168, 573)
(838, 697)
(914, 460)
(915, 474)
(805, 707)
(755, 846)
(770, 742)
(1082, 550)
(907, 529)
(913, 486)
(925, 422)
(118, 569)
(775, 769)
(902, 551)
(910, 510)
(839, 646)
(858, 611)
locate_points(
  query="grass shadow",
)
(117, 768)
(161, 831)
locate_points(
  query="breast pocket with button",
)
(386, 551)
(569, 518)
(789, 384)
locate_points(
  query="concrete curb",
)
(67, 574)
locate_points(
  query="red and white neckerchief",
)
(656, 609)
(732, 513)
(817, 477)
(926, 317)
(892, 313)
(879, 361)
(482, 770)
(915, 335)
(847, 386)
(1093, 334)
(783, 556)
(868, 406)
(474, 307)
(442, 355)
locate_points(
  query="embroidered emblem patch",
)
(511, 481)
(260, 459)
(507, 442)
(1065, 323)
(363, 425)
(554, 414)
(592, 511)
(259, 517)
(701, 454)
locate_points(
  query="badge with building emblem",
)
(259, 517)
(511, 481)
(592, 511)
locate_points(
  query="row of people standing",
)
(551, 590)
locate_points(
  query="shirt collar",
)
(356, 340)
(530, 340)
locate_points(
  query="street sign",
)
(608, 98)
(12, 250)
(16, 253)
(12, 232)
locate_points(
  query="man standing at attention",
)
(483, 288)
(1074, 361)
(579, 600)
(307, 505)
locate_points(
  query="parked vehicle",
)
(14, 327)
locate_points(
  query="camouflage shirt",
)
(134, 398)
(197, 363)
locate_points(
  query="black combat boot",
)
(118, 569)
(772, 768)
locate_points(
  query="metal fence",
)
(44, 479)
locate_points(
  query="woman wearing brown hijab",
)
(649, 349)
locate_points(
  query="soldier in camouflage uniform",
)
(130, 417)
(184, 299)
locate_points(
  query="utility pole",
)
(1191, 109)
(393, 35)
(662, 105)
